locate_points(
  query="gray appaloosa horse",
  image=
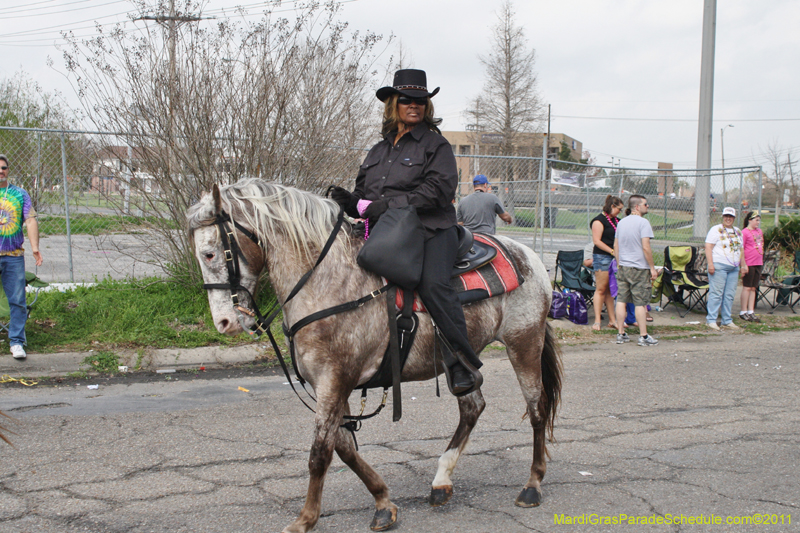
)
(338, 353)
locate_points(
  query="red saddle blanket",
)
(497, 277)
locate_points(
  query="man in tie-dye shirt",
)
(16, 208)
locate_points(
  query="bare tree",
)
(778, 163)
(200, 102)
(35, 158)
(509, 103)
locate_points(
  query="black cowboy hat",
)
(408, 82)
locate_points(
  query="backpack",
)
(576, 308)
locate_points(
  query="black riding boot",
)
(442, 303)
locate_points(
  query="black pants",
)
(439, 297)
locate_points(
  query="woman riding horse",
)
(283, 231)
(415, 165)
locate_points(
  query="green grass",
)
(575, 223)
(113, 314)
(92, 224)
(103, 362)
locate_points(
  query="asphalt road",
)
(695, 426)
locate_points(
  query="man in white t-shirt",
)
(636, 270)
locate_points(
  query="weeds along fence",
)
(97, 206)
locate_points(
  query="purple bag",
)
(612, 278)
(558, 309)
(576, 308)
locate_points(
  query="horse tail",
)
(552, 372)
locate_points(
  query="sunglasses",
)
(3, 167)
(404, 100)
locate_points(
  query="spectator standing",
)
(604, 229)
(16, 208)
(724, 256)
(637, 271)
(477, 211)
(753, 248)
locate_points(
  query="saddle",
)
(484, 269)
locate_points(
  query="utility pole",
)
(791, 177)
(722, 153)
(171, 21)
(543, 183)
(702, 189)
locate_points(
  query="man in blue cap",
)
(477, 211)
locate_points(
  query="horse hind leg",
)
(385, 511)
(538, 368)
(470, 408)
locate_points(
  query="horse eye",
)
(209, 256)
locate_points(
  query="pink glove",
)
(361, 206)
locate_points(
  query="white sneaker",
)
(18, 352)
(647, 341)
(713, 325)
(731, 326)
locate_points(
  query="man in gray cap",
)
(477, 211)
(16, 208)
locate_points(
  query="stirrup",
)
(477, 377)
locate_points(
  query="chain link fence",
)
(101, 196)
(95, 203)
(555, 213)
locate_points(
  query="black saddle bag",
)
(396, 247)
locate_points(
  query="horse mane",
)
(301, 219)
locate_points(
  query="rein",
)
(262, 324)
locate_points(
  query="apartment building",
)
(468, 143)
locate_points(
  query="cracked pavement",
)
(691, 426)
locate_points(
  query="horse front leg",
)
(470, 408)
(385, 511)
(330, 408)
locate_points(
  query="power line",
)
(60, 27)
(5, 14)
(47, 35)
(732, 160)
(628, 119)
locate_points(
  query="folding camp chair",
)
(778, 290)
(574, 276)
(31, 280)
(684, 269)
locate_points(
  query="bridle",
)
(232, 252)
(227, 227)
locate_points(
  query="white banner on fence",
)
(570, 179)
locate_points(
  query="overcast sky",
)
(622, 76)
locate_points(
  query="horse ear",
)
(217, 199)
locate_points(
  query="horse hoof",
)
(440, 495)
(383, 519)
(529, 497)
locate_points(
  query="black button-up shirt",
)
(420, 170)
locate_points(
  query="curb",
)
(59, 364)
